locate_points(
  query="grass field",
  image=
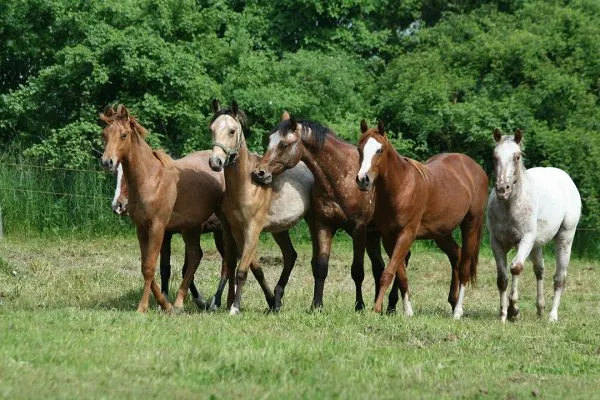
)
(68, 329)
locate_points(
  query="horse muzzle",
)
(503, 192)
(262, 176)
(215, 163)
(364, 183)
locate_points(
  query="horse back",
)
(456, 186)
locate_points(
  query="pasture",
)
(69, 329)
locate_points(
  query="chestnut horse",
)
(249, 208)
(336, 201)
(423, 201)
(119, 206)
(164, 195)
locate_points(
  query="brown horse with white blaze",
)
(336, 201)
(423, 201)
(164, 195)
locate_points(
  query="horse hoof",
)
(513, 313)
(201, 304)
(316, 308)
(234, 310)
(553, 317)
(391, 311)
(359, 306)
(273, 310)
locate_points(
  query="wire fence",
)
(35, 182)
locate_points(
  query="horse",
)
(526, 209)
(164, 195)
(119, 207)
(423, 201)
(249, 208)
(336, 202)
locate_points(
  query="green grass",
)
(68, 329)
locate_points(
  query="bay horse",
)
(249, 208)
(423, 201)
(336, 201)
(164, 195)
(119, 207)
(528, 208)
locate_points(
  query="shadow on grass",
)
(129, 301)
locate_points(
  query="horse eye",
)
(231, 131)
(123, 135)
(379, 151)
(517, 157)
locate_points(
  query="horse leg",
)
(262, 281)
(289, 259)
(197, 297)
(470, 231)
(165, 263)
(215, 302)
(562, 248)
(150, 241)
(537, 258)
(247, 241)
(449, 246)
(377, 265)
(321, 241)
(399, 248)
(357, 269)
(501, 276)
(516, 267)
(193, 252)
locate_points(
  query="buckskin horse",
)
(423, 201)
(336, 201)
(249, 208)
(527, 209)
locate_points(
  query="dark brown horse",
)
(164, 195)
(336, 201)
(119, 206)
(423, 201)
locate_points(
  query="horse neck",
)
(140, 165)
(325, 162)
(237, 176)
(396, 175)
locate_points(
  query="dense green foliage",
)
(441, 74)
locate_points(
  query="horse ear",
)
(363, 126)
(380, 128)
(215, 106)
(234, 108)
(518, 136)
(285, 116)
(497, 135)
(293, 123)
(122, 112)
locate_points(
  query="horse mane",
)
(420, 167)
(240, 117)
(163, 157)
(309, 129)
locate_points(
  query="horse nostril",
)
(507, 187)
(261, 173)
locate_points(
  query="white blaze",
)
(118, 188)
(369, 151)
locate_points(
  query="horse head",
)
(283, 152)
(508, 163)
(121, 128)
(227, 129)
(371, 146)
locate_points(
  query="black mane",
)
(241, 117)
(319, 132)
